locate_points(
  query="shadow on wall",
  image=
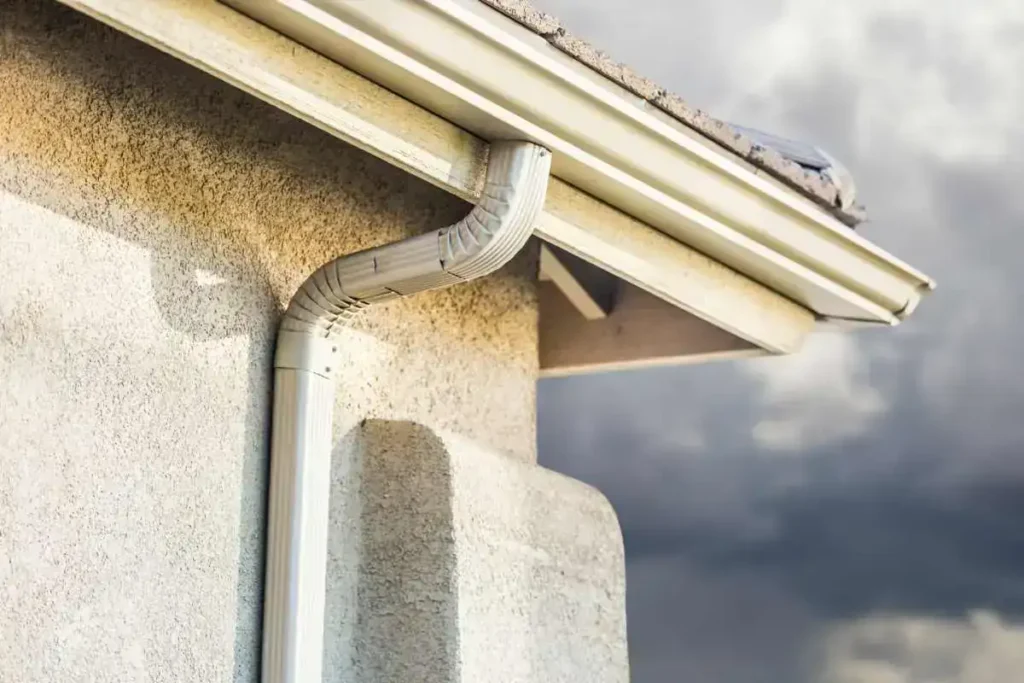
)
(234, 199)
(392, 603)
(229, 309)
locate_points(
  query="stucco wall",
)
(153, 222)
(469, 567)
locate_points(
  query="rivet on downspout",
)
(306, 361)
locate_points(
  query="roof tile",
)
(816, 186)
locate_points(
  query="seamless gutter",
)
(791, 171)
(474, 66)
(246, 54)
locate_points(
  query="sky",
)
(853, 513)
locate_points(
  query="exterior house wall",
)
(469, 566)
(153, 223)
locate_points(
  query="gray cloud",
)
(850, 514)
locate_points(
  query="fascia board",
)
(476, 68)
(272, 67)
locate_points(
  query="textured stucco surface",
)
(455, 564)
(153, 222)
(541, 574)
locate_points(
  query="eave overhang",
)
(261, 61)
(476, 68)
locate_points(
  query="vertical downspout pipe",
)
(307, 359)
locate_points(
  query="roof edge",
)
(465, 67)
(472, 65)
(240, 51)
(811, 185)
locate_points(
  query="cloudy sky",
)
(854, 514)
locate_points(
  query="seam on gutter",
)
(306, 361)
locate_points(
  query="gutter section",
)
(481, 70)
(307, 360)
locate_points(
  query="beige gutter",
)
(238, 50)
(482, 71)
(306, 363)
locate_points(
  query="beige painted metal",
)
(642, 330)
(307, 361)
(477, 68)
(234, 48)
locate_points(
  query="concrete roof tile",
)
(817, 186)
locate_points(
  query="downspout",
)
(307, 360)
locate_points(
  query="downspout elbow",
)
(482, 242)
(306, 361)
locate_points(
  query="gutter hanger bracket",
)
(307, 360)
